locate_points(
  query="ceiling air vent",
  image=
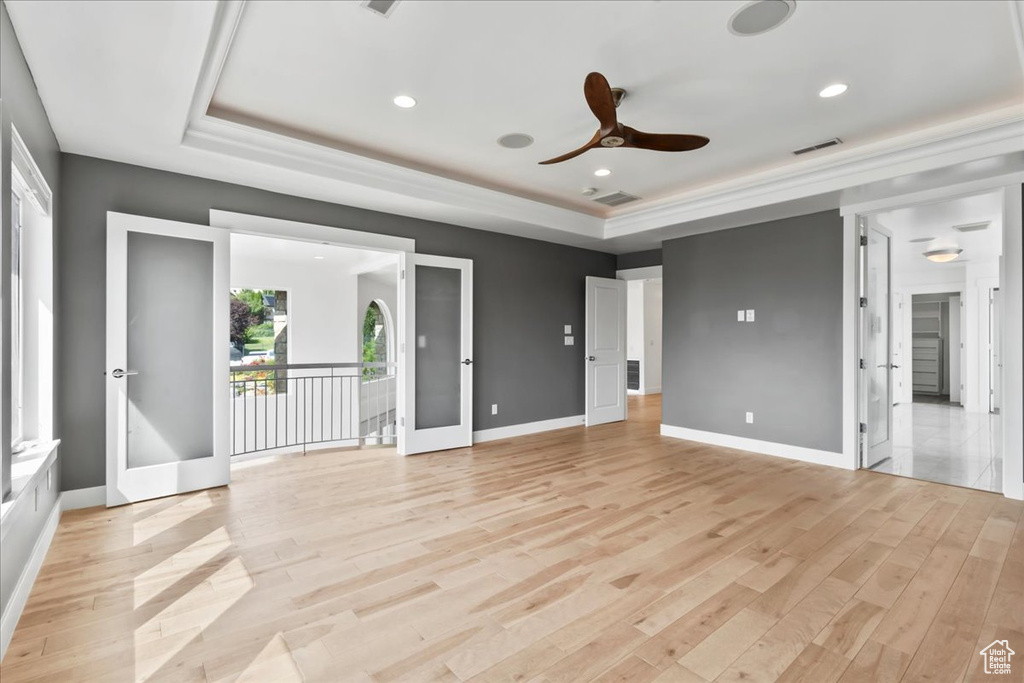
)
(971, 227)
(821, 145)
(617, 198)
(382, 7)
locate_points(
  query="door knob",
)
(467, 362)
(591, 358)
(118, 373)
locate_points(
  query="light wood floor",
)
(608, 554)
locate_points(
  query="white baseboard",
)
(781, 450)
(1014, 490)
(19, 596)
(527, 428)
(652, 390)
(76, 499)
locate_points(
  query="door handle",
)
(894, 366)
(591, 358)
(467, 362)
(118, 373)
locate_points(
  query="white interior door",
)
(437, 391)
(955, 348)
(899, 394)
(877, 346)
(167, 358)
(606, 350)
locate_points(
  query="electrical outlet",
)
(741, 316)
(494, 409)
(750, 315)
(750, 418)
(569, 341)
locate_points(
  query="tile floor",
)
(946, 444)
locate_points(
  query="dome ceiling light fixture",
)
(943, 255)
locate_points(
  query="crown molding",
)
(989, 134)
(379, 185)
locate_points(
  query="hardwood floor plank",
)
(609, 553)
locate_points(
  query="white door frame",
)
(1010, 277)
(128, 485)
(262, 226)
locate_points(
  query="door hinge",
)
(863, 427)
(401, 422)
(403, 273)
(863, 240)
(863, 365)
(863, 302)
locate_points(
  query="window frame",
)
(19, 194)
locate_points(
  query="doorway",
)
(929, 341)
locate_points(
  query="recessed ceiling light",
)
(602, 172)
(943, 255)
(404, 101)
(515, 140)
(760, 16)
(833, 90)
(319, 258)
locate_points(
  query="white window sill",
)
(27, 467)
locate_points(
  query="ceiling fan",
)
(603, 99)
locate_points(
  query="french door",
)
(167, 358)
(876, 330)
(437, 383)
(605, 350)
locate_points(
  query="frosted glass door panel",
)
(438, 341)
(170, 409)
(878, 347)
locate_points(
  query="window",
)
(17, 321)
(376, 340)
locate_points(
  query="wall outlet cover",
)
(568, 329)
(741, 316)
(750, 418)
(569, 341)
(750, 315)
(494, 409)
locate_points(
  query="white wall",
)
(643, 331)
(322, 301)
(37, 320)
(378, 285)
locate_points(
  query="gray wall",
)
(20, 105)
(638, 259)
(524, 292)
(786, 367)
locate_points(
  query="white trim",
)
(27, 172)
(77, 499)
(812, 455)
(249, 224)
(851, 342)
(22, 589)
(932, 195)
(1012, 328)
(407, 191)
(526, 428)
(645, 273)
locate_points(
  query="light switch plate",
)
(750, 315)
(568, 329)
(741, 316)
(569, 341)
(494, 409)
(750, 418)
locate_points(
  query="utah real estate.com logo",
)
(997, 657)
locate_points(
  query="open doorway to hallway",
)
(941, 296)
(313, 357)
(643, 346)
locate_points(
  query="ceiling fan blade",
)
(594, 142)
(601, 102)
(663, 142)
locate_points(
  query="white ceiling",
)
(483, 69)
(936, 221)
(252, 248)
(123, 80)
